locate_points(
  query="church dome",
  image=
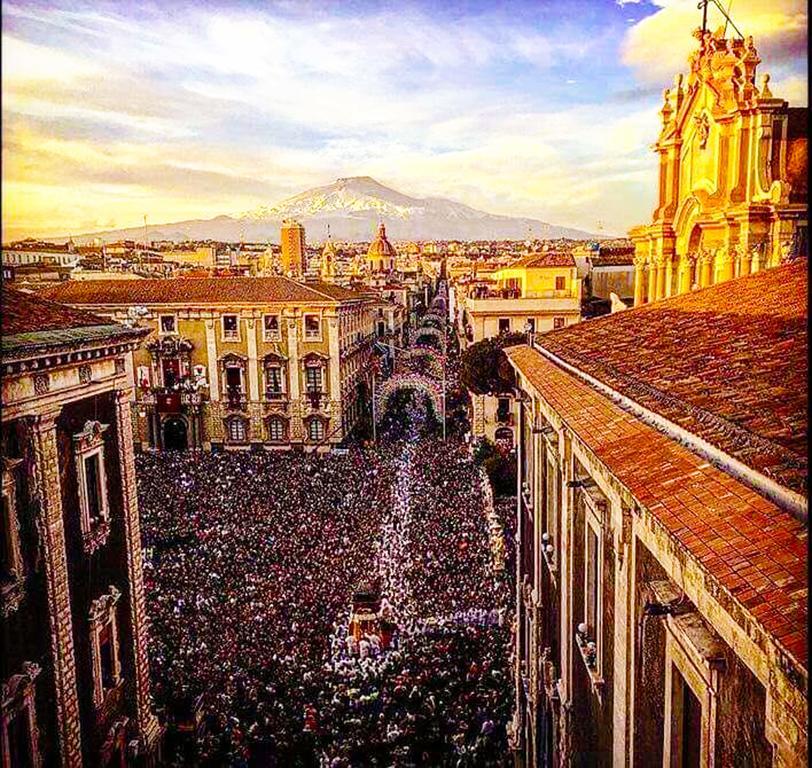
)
(380, 247)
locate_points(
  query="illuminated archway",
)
(408, 381)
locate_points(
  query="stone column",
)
(684, 274)
(705, 269)
(334, 371)
(146, 721)
(744, 262)
(50, 523)
(211, 356)
(669, 275)
(639, 282)
(724, 265)
(296, 429)
(651, 293)
(661, 277)
(253, 370)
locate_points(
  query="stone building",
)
(73, 661)
(662, 532)
(733, 175)
(241, 362)
(538, 292)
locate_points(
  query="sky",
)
(180, 110)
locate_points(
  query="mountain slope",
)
(352, 208)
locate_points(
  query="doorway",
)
(175, 435)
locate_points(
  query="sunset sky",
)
(190, 110)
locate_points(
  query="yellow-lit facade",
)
(272, 374)
(732, 176)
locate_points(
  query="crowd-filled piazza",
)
(251, 565)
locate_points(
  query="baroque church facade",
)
(732, 176)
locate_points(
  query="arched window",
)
(277, 429)
(315, 430)
(236, 430)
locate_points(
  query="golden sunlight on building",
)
(733, 177)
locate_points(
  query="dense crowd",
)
(251, 561)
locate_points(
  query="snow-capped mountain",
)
(353, 207)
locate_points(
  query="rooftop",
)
(541, 260)
(198, 290)
(754, 550)
(30, 322)
(727, 363)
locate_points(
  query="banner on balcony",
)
(168, 402)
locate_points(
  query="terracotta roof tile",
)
(727, 363)
(26, 313)
(752, 548)
(545, 259)
(197, 290)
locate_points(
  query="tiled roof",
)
(727, 363)
(25, 313)
(619, 256)
(546, 259)
(196, 290)
(31, 324)
(754, 550)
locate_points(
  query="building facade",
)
(242, 362)
(294, 259)
(73, 663)
(662, 533)
(537, 293)
(733, 176)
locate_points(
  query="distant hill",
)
(353, 207)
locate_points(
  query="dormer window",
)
(94, 510)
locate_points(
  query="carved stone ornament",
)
(96, 537)
(42, 383)
(85, 374)
(101, 607)
(91, 435)
(702, 129)
(17, 686)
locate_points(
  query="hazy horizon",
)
(189, 111)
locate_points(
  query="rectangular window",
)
(503, 410)
(271, 328)
(504, 325)
(591, 583)
(561, 283)
(233, 379)
(276, 430)
(312, 327)
(558, 322)
(273, 380)
(93, 486)
(168, 324)
(20, 743)
(313, 379)
(236, 431)
(315, 430)
(231, 327)
(531, 324)
(108, 676)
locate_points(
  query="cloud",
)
(118, 109)
(657, 47)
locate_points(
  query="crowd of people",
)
(251, 563)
